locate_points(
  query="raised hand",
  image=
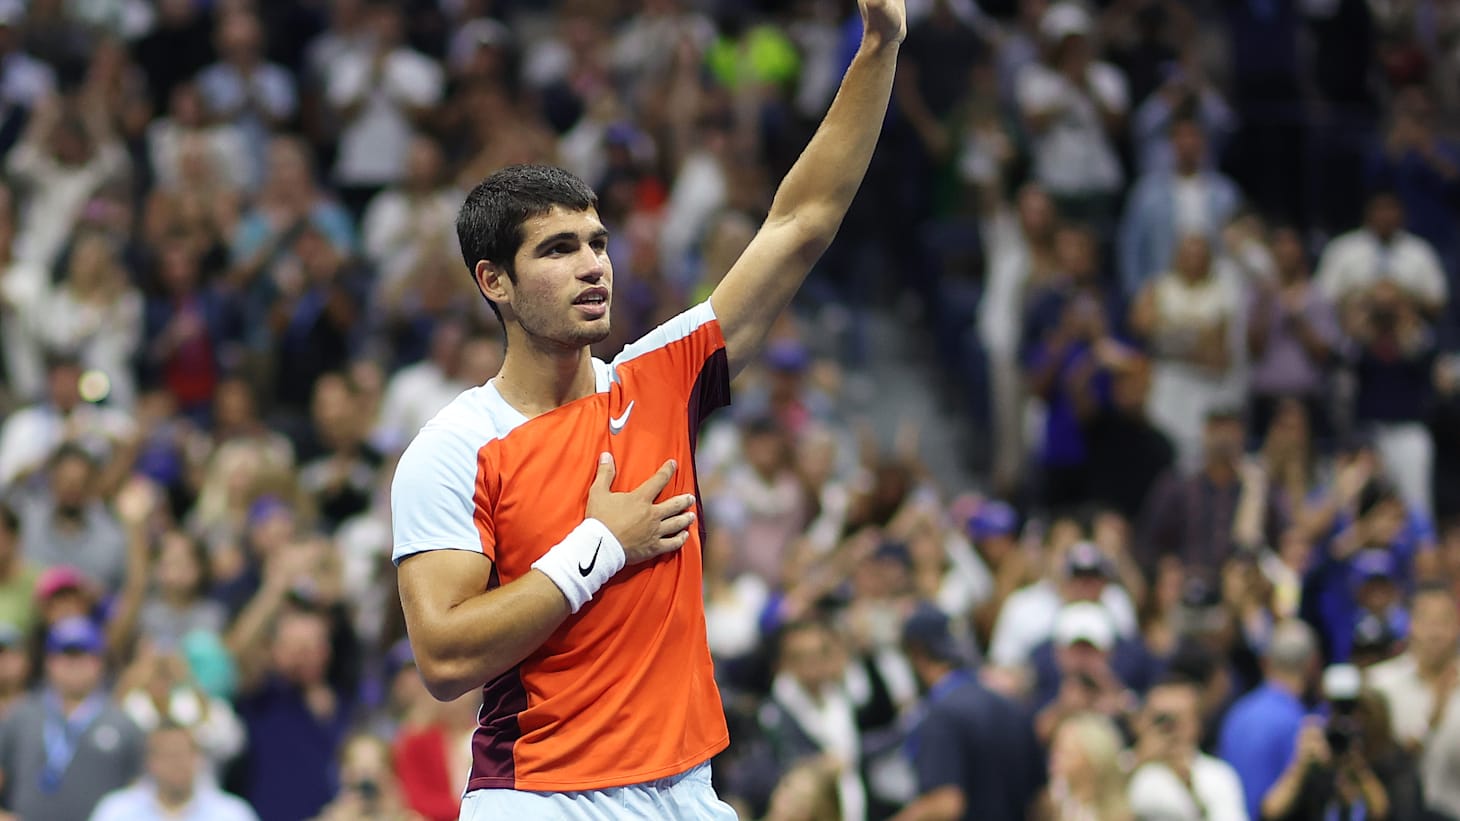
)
(644, 528)
(884, 19)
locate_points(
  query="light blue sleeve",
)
(433, 501)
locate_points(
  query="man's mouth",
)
(592, 296)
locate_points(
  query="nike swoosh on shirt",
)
(616, 426)
(592, 564)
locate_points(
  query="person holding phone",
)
(1173, 778)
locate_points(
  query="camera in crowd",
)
(1341, 686)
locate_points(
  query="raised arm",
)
(814, 196)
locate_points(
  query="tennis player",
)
(546, 523)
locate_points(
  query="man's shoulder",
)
(473, 418)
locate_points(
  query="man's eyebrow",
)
(554, 239)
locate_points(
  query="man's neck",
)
(1292, 685)
(535, 381)
(174, 800)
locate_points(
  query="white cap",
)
(1063, 20)
(1342, 682)
(1084, 621)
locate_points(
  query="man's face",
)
(564, 280)
(1189, 146)
(71, 482)
(74, 674)
(1084, 586)
(1172, 712)
(172, 761)
(811, 656)
(302, 648)
(1223, 440)
(1434, 629)
(14, 668)
(1385, 216)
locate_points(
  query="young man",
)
(543, 521)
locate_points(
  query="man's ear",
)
(494, 282)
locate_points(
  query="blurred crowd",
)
(1182, 268)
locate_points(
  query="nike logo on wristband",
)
(592, 564)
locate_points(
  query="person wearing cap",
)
(1378, 537)
(1081, 573)
(1087, 667)
(997, 568)
(972, 749)
(1072, 103)
(175, 787)
(1373, 643)
(1260, 731)
(67, 745)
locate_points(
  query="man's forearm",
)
(484, 636)
(819, 188)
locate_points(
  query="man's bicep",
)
(434, 582)
(747, 301)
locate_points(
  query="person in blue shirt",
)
(973, 750)
(1260, 731)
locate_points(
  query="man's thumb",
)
(603, 480)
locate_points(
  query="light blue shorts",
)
(684, 797)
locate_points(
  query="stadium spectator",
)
(1261, 730)
(1173, 777)
(973, 750)
(175, 787)
(1190, 318)
(66, 746)
(1075, 107)
(1086, 778)
(1293, 336)
(1165, 206)
(1419, 686)
(1079, 572)
(378, 96)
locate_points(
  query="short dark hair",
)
(489, 225)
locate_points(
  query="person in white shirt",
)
(379, 95)
(173, 789)
(417, 392)
(32, 435)
(1382, 250)
(64, 158)
(421, 209)
(1071, 103)
(1029, 615)
(1174, 780)
(1424, 702)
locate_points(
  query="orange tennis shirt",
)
(624, 691)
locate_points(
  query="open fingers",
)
(675, 524)
(655, 484)
(674, 506)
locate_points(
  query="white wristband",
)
(582, 562)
